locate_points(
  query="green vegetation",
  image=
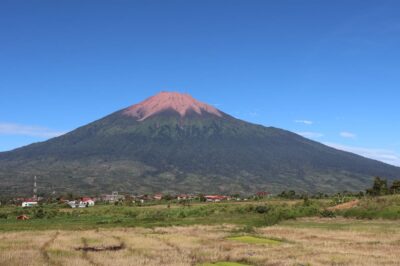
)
(165, 153)
(380, 187)
(255, 240)
(250, 214)
(386, 207)
(312, 229)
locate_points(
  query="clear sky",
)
(329, 70)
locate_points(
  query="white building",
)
(86, 202)
(83, 203)
(29, 203)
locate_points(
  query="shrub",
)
(306, 201)
(327, 214)
(262, 209)
(39, 213)
(273, 217)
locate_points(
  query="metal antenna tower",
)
(34, 188)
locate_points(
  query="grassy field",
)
(107, 216)
(272, 232)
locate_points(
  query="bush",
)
(42, 213)
(273, 217)
(39, 213)
(306, 201)
(262, 209)
(327, 214)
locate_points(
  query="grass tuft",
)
(255, 240)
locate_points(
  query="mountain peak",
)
(182, 103)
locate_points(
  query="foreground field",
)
(308, 241)
(363, 231)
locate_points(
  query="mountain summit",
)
(173, 143)
(182, 104)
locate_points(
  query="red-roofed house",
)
(158, 196)
(87, 202)
(262, 194)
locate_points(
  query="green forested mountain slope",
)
(168, 152)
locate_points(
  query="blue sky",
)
(329, 70)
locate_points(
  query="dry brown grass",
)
(194, 245)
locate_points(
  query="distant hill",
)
(174, 143)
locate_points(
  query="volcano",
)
(170, 101)
(173, 143)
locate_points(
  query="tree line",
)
(381, 187)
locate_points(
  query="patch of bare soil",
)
(345, 206)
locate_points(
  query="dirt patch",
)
(345, 206)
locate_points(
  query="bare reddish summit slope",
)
(164, 101)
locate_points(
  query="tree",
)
(395, 188)
(202, 198)
(168, 197)
(379, 187)
(291, 194)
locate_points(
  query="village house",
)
(29, 203)
(89, 202)
(182, 197)
(262, 194)
(141, 198)
(114, 197)
(216, 198)
(158, 196)
(82, 203)
(185, 197)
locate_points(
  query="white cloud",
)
(25, 130)
(386, 156)
(311, 135)
(306, 122)
(347, 135)
(253, 114)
